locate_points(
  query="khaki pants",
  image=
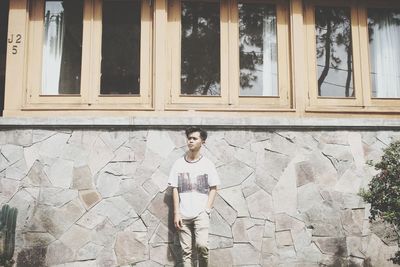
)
(199, 227)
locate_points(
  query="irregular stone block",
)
(57, 197)
(245, 254)
(106, 258)
(269, 246)
(239, 230)
(59, 141)
(352, 221)
(249, 185)
(61, 172)
(108, 185)
(90, 251)
(114, 139)
(218, 242)
(58, 253)
(125, 154)
(260, 205)
(131, 247)
(335, 246)
(91, 219)
(269, 229)
(218, 226)
(31, 155)
(82, 178)
(100, 154)
(57, 220)
(255, 234)
(233, 174)
(247, 157)
(162, 254)
(284, 221)
(238, 138)
(12, 154)
(160, 143)
(37, 239)
(160, 180)
(220, 257)
(116, 209)
(104, 235)
(8, 187)
(234, 197)
(89, 198)
(226, 211)
(284, 238)
(76, 237)
(324, 220)
(76, 153)
(304, 173)
(37, 176)
(307, 196)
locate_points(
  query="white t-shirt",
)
(193, 180)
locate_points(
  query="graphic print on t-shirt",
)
(187, 184)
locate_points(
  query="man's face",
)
(194, 141)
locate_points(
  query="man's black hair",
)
(194, 129)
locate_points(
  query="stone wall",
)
(100, 198)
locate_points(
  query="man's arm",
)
(211, 196)
(177, 213)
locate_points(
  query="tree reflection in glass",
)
(62, 48)
(200, 48)
(334, 52)
(258, 49)
(384, 49)
(120, 47)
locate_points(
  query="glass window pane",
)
(258, 49)
(334, 52)
(200, 55)
(384, 49)
(120, 65)
(62, 50)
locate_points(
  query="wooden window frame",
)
(89, 97)
(363, 100)
(230, 98)
(325, 101)
(373, 102)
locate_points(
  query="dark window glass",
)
(258, 49)
(120, 65)
(200, 55)
(334, 52)
(4, 7)
(384, 51)
(62, 50)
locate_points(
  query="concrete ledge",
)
(207, 122)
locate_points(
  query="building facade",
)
(297, 95)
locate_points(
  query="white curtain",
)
(52, 47)
(270, 66)
(385, 59)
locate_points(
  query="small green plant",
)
(8, 221)
(383, 191)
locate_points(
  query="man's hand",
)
(178, 221)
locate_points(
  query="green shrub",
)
(383, 191)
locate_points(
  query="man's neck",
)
(193, 155)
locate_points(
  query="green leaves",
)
(384, 190)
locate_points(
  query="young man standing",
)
(194, 181)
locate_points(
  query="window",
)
(353, 54)
(229, 54)
(384, 51)
(90, 53)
